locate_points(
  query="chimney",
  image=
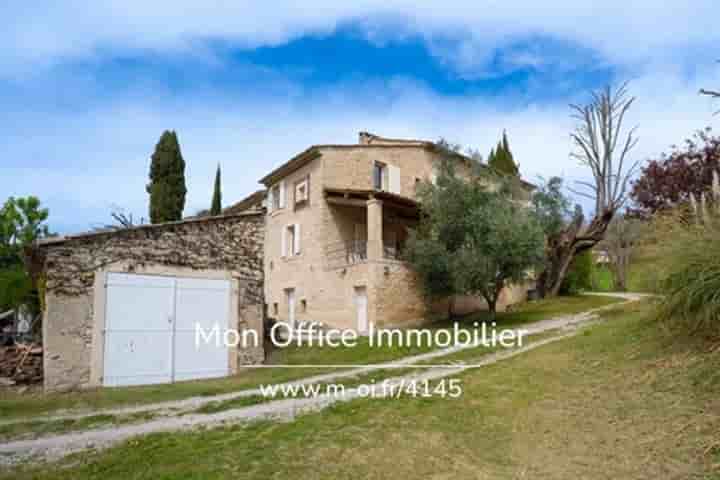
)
(365, 138)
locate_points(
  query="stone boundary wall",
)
(232, 243)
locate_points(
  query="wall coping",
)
(52, 241)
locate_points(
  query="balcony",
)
(346, 253)
(349, 253)
(392, 252)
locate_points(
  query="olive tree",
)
(473, 238)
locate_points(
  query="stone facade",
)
(212, 247)
(348, 233)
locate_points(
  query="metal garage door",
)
(150, 329)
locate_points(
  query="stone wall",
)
(232, 244)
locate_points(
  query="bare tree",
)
(122, 220)
(619, 245)
(602, 145)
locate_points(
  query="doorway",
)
(361, 309)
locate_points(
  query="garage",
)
(122, 306)
(150, 329)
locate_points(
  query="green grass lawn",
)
(620, 400)
(13, 405)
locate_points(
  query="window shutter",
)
(269, 200)
(282, 194)
(394, 179)
(296, 247)
(307, 188)
(283, 241)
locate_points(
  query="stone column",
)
(374, 230)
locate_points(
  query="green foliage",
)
(580, 274)
(22, 221)
(472, 239)
(501, 159)
(15, 288)
(602, 279)
(688, 261)
(216, 207)
(167, 180)
(551, 206)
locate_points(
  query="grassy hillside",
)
(621, 400)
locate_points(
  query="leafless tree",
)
(619, 245)
(603, 145)
(122, 220)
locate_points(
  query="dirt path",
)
(284, 409)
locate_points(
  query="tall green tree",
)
(167, 180)
(22, 222)
(472, 238)
(502, 160)
(216, 207)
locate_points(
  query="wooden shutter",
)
(282, 194)
(269, 200)
(393, 179)
(296, 231)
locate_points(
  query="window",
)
(291, 240)
(303, 305)
(275, 309)
(379, 176)
(302, 192)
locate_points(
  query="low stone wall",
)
(231, 243)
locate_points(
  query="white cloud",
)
(618, 30)
(81, 163)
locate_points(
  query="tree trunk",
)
(451, 307)
(562, 249)
(492, 308)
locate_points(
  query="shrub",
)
(690, 264)
(580, 274)
(15, 288)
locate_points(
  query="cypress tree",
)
(216, 207)
(491, 157)
(167, 180)
(502, 161)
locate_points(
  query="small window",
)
(275, 309)
(379, 176)
(291, 240)
(303, 305)
(302, 192)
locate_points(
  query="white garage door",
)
(150, 329)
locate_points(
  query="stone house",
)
(321, 242)
(337, 221)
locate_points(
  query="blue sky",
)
(86, 89)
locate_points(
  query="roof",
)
(150, 226)
(255, 198)
(379, 194)
(312, 152)
(367, 140)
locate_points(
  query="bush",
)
(580, 274)
(690, 263)
(602, 279)
(15, 288)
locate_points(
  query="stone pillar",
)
(374, 230)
